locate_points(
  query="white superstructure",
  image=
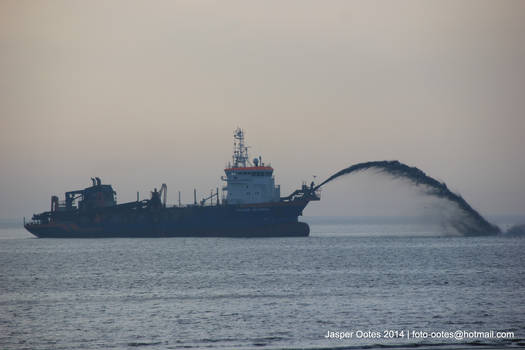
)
(247, 182)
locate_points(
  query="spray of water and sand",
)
(468, 221)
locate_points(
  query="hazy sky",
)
(145, 92)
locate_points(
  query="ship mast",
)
(240, 151)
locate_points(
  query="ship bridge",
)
(248, 182)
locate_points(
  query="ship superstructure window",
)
(249, 182)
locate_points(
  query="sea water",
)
(373, 285)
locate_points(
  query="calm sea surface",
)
(272, 293)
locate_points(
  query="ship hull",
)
(298, 229)
(279, 219)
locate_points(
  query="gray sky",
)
(145, 92)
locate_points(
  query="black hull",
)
(278, 219)
(296, 229)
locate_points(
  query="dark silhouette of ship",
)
(251, 206)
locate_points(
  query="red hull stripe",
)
(250, 168)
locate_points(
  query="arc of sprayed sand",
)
(475, 224)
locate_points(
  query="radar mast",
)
(240, 151)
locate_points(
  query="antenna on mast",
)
(240, 152)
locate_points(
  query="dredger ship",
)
(250, 206)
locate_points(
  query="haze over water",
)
(145, 93)
(142, 94)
